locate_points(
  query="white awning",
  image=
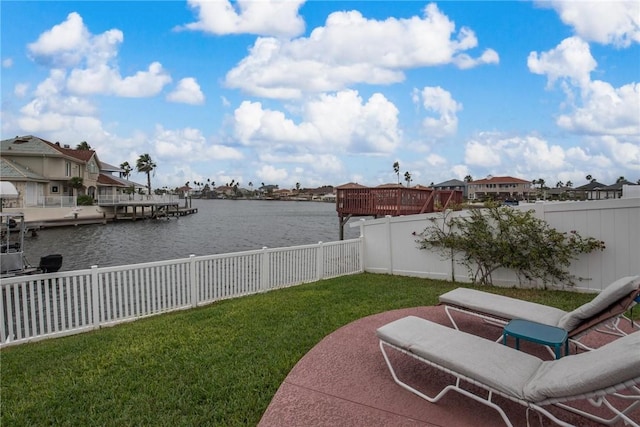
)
(8, 190)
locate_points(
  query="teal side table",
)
(537, 333)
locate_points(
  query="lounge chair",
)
(606, 308)
(596, 375)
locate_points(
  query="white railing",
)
(53, 202)
(56, 304)
(136, 198)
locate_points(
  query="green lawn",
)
(215, 365)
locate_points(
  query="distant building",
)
(452, 184)
(498, 188)
(598, 191)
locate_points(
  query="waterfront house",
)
(43, 172)
(498, 188)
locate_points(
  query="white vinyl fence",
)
(390, 245)
(64, 303)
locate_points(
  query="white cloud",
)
(91, 58)
(64, 44)
(606, 22)
(7, 63)
(527, 154)
(266, 17)
(351, 49)
(187, 144)
(21, 89)
(187, 92)
(606, 110)
(439, 101)
(269, 174)
(570, 59)
(341, 122)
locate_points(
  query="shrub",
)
(85, 200)
(503, 237)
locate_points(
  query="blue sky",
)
(330, 92)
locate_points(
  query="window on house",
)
(54, 188)
(68, 169)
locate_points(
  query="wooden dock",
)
(394, 201)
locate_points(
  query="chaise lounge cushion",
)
(612, 293)
(496, 365)
(612, 364)
(501, 306)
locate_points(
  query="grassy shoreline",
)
(214, 365)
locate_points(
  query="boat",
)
(13, 261)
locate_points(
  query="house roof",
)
(593, 185)
(82, 155)
(618, 185)
(451, 183)
(12, 171)
(28, 146)
(390, 185)
(106, 167)
(500, 180)
(351, 185)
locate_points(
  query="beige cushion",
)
(501, 306)
(487, 362)
(612, 364)
(611, 294)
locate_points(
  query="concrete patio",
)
(344, 381)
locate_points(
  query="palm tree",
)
(621, 179)
(145, 164)
(569, 184)
(126, 170)
(468, 178)
(396, 169)
(76, 182)
(559, 184)
(84, 145)
(541, 182)
(407, 177)
(297, 187)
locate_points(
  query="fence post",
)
(192, 280)
(95, 297)
(361, 244)
(320, 261)
(264, 269)
(389, 244)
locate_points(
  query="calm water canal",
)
(220, 226)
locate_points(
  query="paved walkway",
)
(344, 381)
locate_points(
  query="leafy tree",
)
(145, 164)
(407, 177)
(297, 187)
(84, 145)
(126, 170)
(503, 237)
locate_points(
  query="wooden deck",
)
(394, 201)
